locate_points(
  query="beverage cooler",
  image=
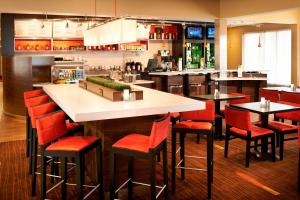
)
(194, 55)
(210, 55)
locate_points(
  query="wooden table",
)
(264, 113)
(218, 99)
(113, 120)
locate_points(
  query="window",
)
(274, 55)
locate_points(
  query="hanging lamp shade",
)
(114, 32)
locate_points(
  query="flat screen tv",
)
(194, 32)
(210, 32)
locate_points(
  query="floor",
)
(264, 180)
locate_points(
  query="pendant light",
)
(259, 36)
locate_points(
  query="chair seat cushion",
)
(72, 143)
(279, 126)
(255, 131)
(134, 142)
(194, 125)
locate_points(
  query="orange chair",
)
(246, 99)
(198, 122)
(36, 112)
(272, 95)
(146, 147)
(293, 99)
(238, 124)
(51, 131)
(29, 102)
(27, 95)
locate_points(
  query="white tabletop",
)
(82, 105)
(240, 79)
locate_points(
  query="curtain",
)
(274, 55)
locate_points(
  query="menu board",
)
(33, 29)
(68, 29)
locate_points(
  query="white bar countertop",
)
(240, 79)
(138, 82)
(81, 105)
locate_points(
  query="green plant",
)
(108, 83)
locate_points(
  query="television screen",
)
(194, 32)
(210, 32)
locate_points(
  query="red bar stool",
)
(272, 95)
(238, 125)
(198, 122)
(29, 103)
(27, 95)
(36, 112)
(51, 130)
(146, 147)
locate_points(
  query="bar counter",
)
(113, 120)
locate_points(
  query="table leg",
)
(264, 140)
(217, 107)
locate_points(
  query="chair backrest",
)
(272, 95)
(51, 127)
(33, 101)
(290, 97)
(40, 110)
(246, 98)
(160, 131)
(200, 115)
(32, 93)
(238, 118)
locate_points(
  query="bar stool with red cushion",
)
(29, 94)
(36, 112)
(293, 99)
(238, 125)
(146, 147)
(51, 130)
(199, 122)
(272, 95)
(29, 103)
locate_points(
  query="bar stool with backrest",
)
(29, 94)
(51, 130)
(146, 147)
(29, 102)
(194, 122)
(272, 95)
(36, 112)
(238, 125)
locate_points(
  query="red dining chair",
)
(145, 147)
(199, 122)
(293, 99)
(272, 95)
(36, 112)
(27, 95)
(246, 99)
(52, 130)
(29, 102)
(238, 125)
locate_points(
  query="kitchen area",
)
(170, 56)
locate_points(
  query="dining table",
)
(285, 89)
(217, 99)
(264, 112)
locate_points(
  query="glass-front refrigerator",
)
(210, 55)
(194, 55)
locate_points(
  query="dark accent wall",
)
(7, 33)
